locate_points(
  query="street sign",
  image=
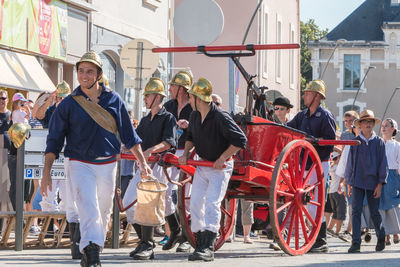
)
(34, 157)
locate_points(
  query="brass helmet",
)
(104, 80)
(182, 78)
(91, 57)
(63, 89)
(203, 89)
(18, 133)
(155, 86)
(316, 86)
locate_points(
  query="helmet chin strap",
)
(152, 102)
(195, 103)
(98, 79)
(177, 92)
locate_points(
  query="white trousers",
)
(93, 190)
(170, 207)
(312, 209)
(208, 190)
(69, 204)
(131, 193)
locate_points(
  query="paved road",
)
(231, 255)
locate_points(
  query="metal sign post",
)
(19, 213)
(115, 215)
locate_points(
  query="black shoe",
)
(198, 240)
(145, 251)
(183, 247)
(380, 245)
(176, 232)
(206, 251)
(136, 250)
(91, 258)
(368, 237)
(319, 247)
(355, 248)
(75, 238)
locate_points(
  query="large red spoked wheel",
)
(297, 197)
(228, 211)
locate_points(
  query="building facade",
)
(113, 25)
(364, 68)
(279, 70)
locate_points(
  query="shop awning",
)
(23, 72)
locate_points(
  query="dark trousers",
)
(12, 167)
(357, 199)
(125, 179)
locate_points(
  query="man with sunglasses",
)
(320, 123)
(282, 108)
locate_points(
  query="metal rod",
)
(249, 197)
(387, 106)
(359, 87)
(225, 48)
(115, 215)
(340, 41)
(19, 209)
(251, 21)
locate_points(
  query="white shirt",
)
(335, 179)
(393, 154)
(342, 162)
(18, 116)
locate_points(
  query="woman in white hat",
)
(390, 198)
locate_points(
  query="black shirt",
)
(5, 124)
(217, 132)
(161, 128)
(172, 106)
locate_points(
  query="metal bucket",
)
(150, 209)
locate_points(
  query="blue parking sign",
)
(29, 173)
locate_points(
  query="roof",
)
(365, 23)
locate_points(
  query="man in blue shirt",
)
(318, 122)
(365, 173)
(92, 151)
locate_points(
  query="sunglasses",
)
(281, 109)
(3, 98)
(335, 158)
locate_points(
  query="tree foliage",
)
(309, 31)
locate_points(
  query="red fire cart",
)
(275, 168)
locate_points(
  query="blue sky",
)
(327, 13)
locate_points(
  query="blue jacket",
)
(367, 164)
(85, 139)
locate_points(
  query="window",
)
(351, 72)
(265, 52)
(278, 65)
(291, 56)
(109, 69)
(395, 2)
(346, 106)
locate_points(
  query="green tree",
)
(309, 31)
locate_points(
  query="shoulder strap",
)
(101, 116)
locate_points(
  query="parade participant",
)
(390, 197)
(318, 122)
(158, 133)
(217, 100)
(91, 146)
(216, 137)
(282, 108)
(180, 107)
(365, 173)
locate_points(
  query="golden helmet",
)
(104, 80)
(182, 78)
(91, 57)
(155, 86)
(203, 89)
(18, 133)
(63, 89)
(317, 86)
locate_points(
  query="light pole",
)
(338, 42)
(387, 106)
(359, 87)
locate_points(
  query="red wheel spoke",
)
(303, 166)
(285, 194)
(284, 206)
(286, 217)
(303, 227)
(296, 229)
(315, 203)
(226, 212)
(287, 181)
(308, 216)
(296, 168)
(310, 188)
(309, 173)
(291, 226)
(290, 164)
